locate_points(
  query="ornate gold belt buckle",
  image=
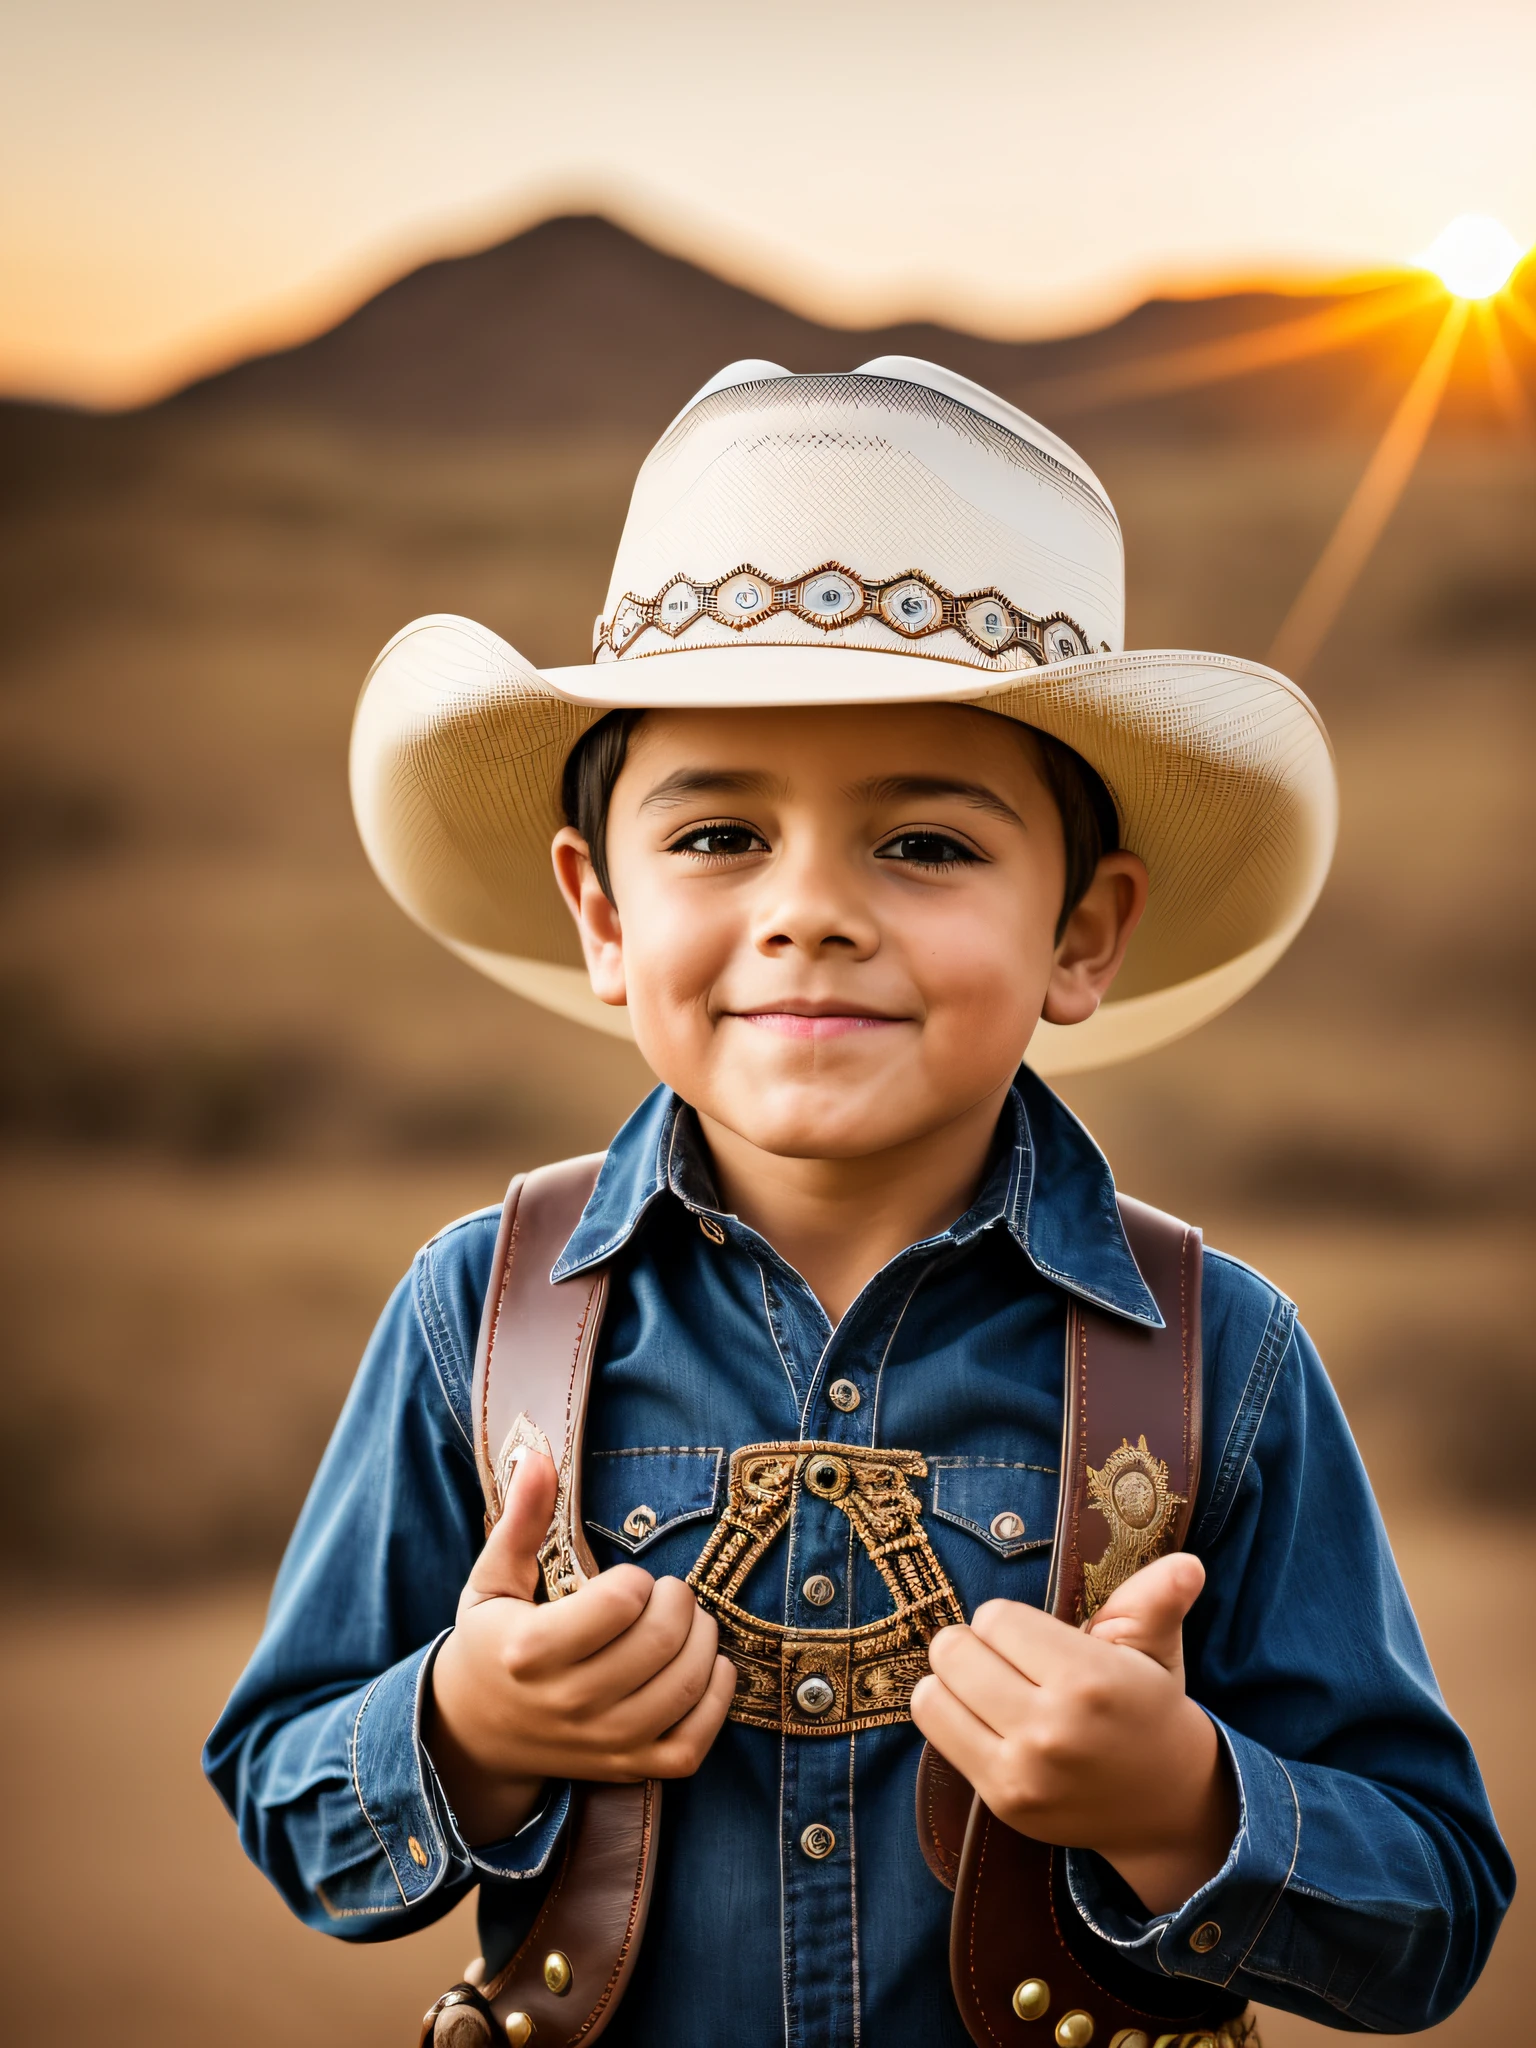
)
(830, 1681)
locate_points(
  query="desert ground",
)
(237, 1089)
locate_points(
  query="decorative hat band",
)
(911, 605)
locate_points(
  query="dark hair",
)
(1089, 825)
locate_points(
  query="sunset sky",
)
(182, 181)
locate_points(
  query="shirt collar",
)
(1049, 1185)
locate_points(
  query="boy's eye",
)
(926, 850)
(720, 842)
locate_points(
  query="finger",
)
(569, 1631)
(1147, 1612)
(684, 1746)
(1034, 1643)
(955, 1732)
(993, 1689)
(667, 1697)
(508, 1565)
(649, 1646)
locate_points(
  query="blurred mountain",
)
(577, 324)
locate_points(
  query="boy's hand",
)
(619, 1681)
(1086, 1737)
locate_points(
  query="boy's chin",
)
(822, 1119)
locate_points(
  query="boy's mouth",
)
(813, 1021)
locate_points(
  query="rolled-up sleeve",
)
(1367, 1878)
(319, 1753)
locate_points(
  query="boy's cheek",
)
(969, 976)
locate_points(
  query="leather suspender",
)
(1130, 1468)
(1129, 1471)
(533, 1369)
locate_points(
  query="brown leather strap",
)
(1130, 1465)
(1128, 1386)
(944, 1802)
(533, 1372)
(534, 1358)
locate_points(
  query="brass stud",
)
(639, 1523)
(815, 1696)
(418, 1854)
(557, 1972)
(1032, 1998)
(1205, 1937)
(1133, 2037)
(844, 1394)
(817, 1840)
(1007, 1525)
(1074, 2030)
(519, 2029)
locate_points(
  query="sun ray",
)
(1502, 375)
(1320, 599)
(1509, 301)
(1235, 355)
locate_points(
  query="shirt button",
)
(418, 1854)
(1205, 1937)
(1007, 1525)
(819, 1590)
(818, 1841)
(843, 1394)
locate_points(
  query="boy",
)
(901, 813)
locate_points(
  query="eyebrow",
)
(683, 783)
(897, 788)
(686, 782)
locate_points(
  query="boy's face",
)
(835, 928)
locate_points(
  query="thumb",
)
(508, 1567)
(1147, 1612)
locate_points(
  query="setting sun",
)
(1473, 257)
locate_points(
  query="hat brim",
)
(1220, 771)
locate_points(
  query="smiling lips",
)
(799, 1024)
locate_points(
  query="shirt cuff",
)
(1211, 1933)
(395, 1783)
(526, 1853)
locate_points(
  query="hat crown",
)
(897, 505)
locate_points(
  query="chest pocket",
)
(1010, 1507)
(633, 1497)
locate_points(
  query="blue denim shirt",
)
(1366, 1880)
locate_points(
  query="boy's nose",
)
(808, 912)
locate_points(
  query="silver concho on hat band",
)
(831, 596)
(742, 599)
(989, 619)
(678, 606)
(912, 605)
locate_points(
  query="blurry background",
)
(500, 248)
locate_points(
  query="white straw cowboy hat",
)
(890, 535)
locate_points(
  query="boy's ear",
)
(1090, 950)
(597, 920)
